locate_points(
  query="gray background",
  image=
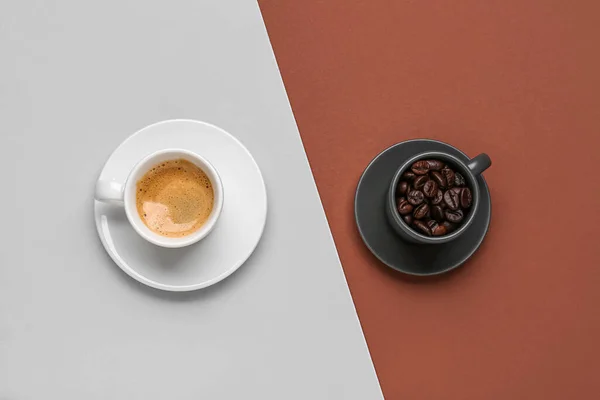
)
(77, 78)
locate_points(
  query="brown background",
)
(518, 79)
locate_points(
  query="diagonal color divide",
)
(516, 79)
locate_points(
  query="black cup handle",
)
(479, 163)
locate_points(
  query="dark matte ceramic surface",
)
(408, 233)
(384, 242)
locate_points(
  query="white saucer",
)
(238, 229)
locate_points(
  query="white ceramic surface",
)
(236, 233)
(124, 193)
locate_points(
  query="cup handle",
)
(109, 192)
(479, 163)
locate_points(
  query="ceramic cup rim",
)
(142, 167)
(472, 184)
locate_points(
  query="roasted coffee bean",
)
(421, 211)
(439, 179)
(450, 198)
(439, 230)
(404, 207)
(432, 197)
(420, 181)
(449, 175)
(454, 215)
(408, 176)
(435, 165)
(420, 167)
(437, 213)
(466, 199)
(430, 189)
(449, 226)
(415, 197)
(439, 196)
(422, 226)
(402, 188)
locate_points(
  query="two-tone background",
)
(517, 79)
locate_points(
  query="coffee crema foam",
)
(175, 198)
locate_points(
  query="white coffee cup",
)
(125, 193)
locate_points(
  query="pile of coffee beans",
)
(432, 198)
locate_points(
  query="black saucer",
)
(380, 238)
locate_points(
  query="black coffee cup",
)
(470, 170)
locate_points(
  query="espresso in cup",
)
(174, 198)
